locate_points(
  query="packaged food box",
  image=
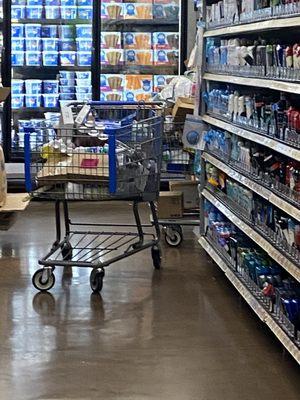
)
(52, 12)
(111, 96)
(33, 100)
(67, 89)
(68, 31)
(67, 45)
(160, 81)
(17, 86)
(34, 12)
(110, 82)
(50, 58)
(83, 89)
(138, 87)
(50, 100)
(168, 11)
(165, 40)
(68, 3)
(33, 58)
(17, 58)
(67, 74)
(33, 30)
(111, 10)
(138, 57)
(17, 44)
(17, 30)
(111, 57)
(85, 12)
(17, 101)
(86, 75)
(166, 57)
(18, 12)
(50, 44)
(49, 31)
(67, 58)
(84, 44)
(84, 2)
(83, 31)
(33, 86)
(84, 58)
(110, 40)
(68, 12)
(137, 40)
(138, 11)
(33, 44)
(50, 86)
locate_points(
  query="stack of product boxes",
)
(34, 93)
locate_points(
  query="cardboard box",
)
(169, 205)
(189, 190)
(183, 106)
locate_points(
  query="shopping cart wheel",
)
(156, 257)
(173, 235)
(67, 251)
(96, 280)
(43, 280)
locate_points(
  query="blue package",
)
(67, 89)
(83, 96)
(158, 11)
(17, 86)
(33, 100)
(18, 12)
(18, 2)
(67, 82)
(33, 58)
(52, 2)
(84, 2)
(33, 30)
(50, 58)
(67, 31)
(17, 44)
(84, 44)
(17, 101)
(67, 45)
(69, 12)
(33, 86)
(34, 12)
(49, 31)
(84, 75)
(67, 58)
(85, 12)
(67, 96)
(67, 74)
(17, 30)
(161, 56)
(83, 89)
(33, 44)
(50, 44)
(52, 12)
(50, 87)
(84, 31)
(68, 2)
(130, 56)
(17, 58)
(130, 96)
(84, 58)
(129, 39)
(50, 100)
(34, 2)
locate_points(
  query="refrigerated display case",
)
(59, 51)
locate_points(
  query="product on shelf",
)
(166, 9)
(75, 85)
(165, 40)
(137, 40)
(138, 87)
(110, 82)
(138, 57)
(112, 9)
(34, 93)
(112, 56)
(110, 40)
(160, 81)
(140, 10)
(166, 57)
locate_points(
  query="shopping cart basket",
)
(112, 152)
(178, 163)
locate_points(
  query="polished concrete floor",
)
(181, 333)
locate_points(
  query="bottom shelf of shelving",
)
(276, 325)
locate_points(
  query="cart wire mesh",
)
(115, 153)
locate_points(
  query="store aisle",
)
(181, 333)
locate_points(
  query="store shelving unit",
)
(279, 325)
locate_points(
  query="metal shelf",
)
(59, 21)
(259, 26)
(254, 137)
(277, 256)
(138, 69)
(281, 86)
(260, 311)
(254, 186)
(35, 109)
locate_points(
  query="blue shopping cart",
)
(112, 152)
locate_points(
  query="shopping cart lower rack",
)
(114, 153)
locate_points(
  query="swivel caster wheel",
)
(156, 257)
(43, 279)
(173, 235)
(96, 280)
